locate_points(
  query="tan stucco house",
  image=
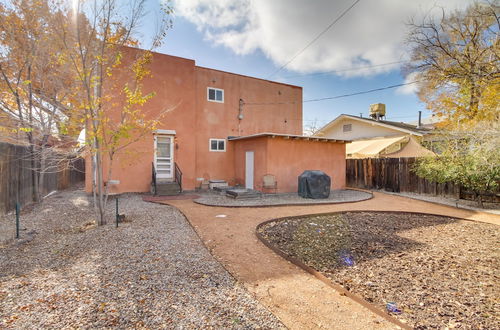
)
(372, 138)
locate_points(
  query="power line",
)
(337, 96)
(314, 40)
(343, 70)
(359, 93)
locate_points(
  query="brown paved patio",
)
(299, 299)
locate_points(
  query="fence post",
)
(117, 215)
(17, 220)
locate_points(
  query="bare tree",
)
(456, 58)
(312, 128)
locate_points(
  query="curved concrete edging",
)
(325, 279)
(294, 204)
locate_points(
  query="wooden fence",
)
(396, 175)
(16, 181)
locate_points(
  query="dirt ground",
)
(428, 266)
(297, 298)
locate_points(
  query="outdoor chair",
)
(269, 182)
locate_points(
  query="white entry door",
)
(164, 156)
(249, 170)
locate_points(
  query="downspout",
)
(240, 115)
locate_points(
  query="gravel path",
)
(441, 272)
(151, 272)
(336, 196)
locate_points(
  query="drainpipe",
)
(240, 115)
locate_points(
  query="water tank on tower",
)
(377, 111)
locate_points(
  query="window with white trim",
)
(215, 94)
(347, 128)
(217, 145)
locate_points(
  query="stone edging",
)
(294, 204)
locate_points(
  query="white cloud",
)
(371, 33)
(410, 88)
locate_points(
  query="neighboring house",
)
(222, 126)
(376, 138)
(427, 123)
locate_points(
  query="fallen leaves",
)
(439, 271)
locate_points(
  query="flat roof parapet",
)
(286, 136)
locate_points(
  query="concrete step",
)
(168, 189)
(242, 193)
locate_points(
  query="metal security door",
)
(164, 156)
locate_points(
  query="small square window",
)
(215, 95)
(217, 144)
(347, 128)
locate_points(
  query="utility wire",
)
(337, 96)
(314, 40)
(343, 70)
(359, 93)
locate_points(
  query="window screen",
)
(215, 94)
(217, 145)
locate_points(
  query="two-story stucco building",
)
(222, 126)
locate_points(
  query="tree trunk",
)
(479, 199)
(33, 168)
(101, 219)
(41, 174)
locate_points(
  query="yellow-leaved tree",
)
(456, 59)
(34, 85)
(95, 39)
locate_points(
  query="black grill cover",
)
(314, 184)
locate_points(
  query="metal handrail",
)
(178, 176)
(153, 177)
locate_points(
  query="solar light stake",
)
(17, 220)
(117, 215)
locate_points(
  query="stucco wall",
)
(259, 147)
(172, 81)
(286, 159)
(220, 120)
(181, 88)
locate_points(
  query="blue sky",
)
(256, 37)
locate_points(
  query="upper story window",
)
(217, 145)
(215, 94)
(347, 128)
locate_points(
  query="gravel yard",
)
(336, 196)
(440, 272)
(151, 272)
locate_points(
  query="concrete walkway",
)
(297, 298)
